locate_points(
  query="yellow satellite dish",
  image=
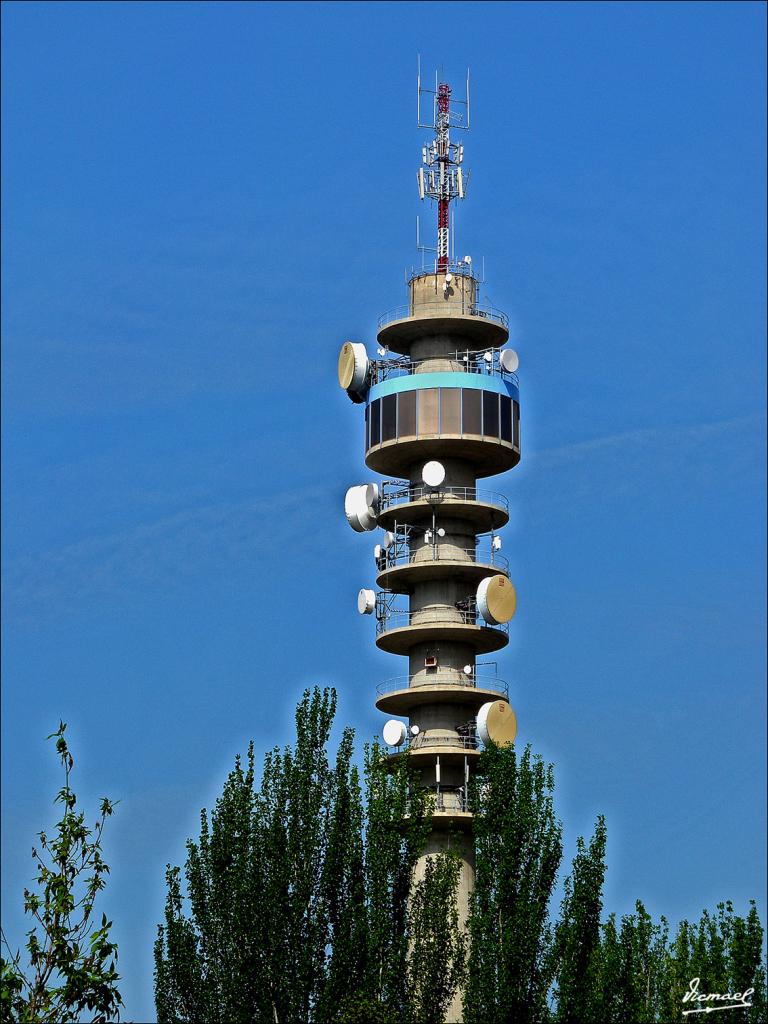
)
(496, 599)
(497, 723)
(346, 364)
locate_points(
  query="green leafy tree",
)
(435, 968)
(725, 952)
(643, 976)
(72, 974)
(300, 903)
(297, 907)
(633, 969)
(576, 953)
(518, 854)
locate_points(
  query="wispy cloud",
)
(649, 466)
(171, 551)
(206, 540)
(650, 439)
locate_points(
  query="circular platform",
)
(401, 639)
(401, 702)
(470, 330)
(483, 513)
(401, 578)
(488, 455)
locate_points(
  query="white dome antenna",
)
(433, 474)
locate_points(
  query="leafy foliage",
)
(576, 953)
(298, 894)
(72, 970)
(309, 899)
(642, 974)
(518, 850)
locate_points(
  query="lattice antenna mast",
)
(442, 178)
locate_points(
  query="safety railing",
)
(395, 493)
(400, 555)
(389, 617)
(451, 800)
(482, 310)
(482, 682)
(483, 361)
(445, 800)
(456, 742)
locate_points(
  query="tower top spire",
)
(441, 178)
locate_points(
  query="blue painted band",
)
(449, 379)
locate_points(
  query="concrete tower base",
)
(440, 841)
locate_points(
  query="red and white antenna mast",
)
(442, 178)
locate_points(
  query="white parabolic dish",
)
(394, 733)
(359, 510)
(509, 360)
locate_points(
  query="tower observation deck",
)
(441, 407)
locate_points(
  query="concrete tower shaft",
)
(442, 413)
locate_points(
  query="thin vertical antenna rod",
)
(443, 180)
(443, 143)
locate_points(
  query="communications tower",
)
(442, 412)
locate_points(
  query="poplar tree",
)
(723, 950)
(299, 907)
(518, 854)
(576, 953)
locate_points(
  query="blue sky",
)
(201, 202)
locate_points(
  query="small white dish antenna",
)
(366, 602)
(388, 540)
(488, 357)
(394, 733)
(467, 260)
(509, 360)
(467, 670)
(441, 532)
(381, 351)
(448, 278)
(415, 730)
(377, 552)
(433, 474)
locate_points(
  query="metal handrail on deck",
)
(471, 361)
(482, 310)
(450, 800)
(452, 742)
(441, 679)
(394, 493)
(401, 555)
(388, 618)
